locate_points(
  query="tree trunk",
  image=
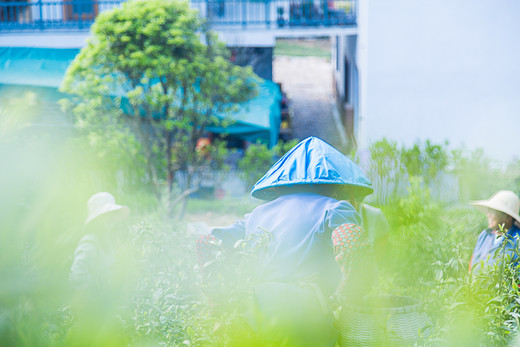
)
(171, 172)
(185, 194)
(183, 199)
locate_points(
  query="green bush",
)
(431, 242)
(430, 245)
(453, 175)
(258, 158)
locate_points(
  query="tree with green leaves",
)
(154, 68)
(258, 158)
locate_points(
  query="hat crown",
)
(311, 162)
(506, 199)
(99, 201)
(104, 203)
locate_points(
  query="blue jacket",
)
(488, 243)
(301, 225)
(300, 217)
(300, 220)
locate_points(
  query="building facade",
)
(445, 71)
(34, 35)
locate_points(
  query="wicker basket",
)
(383, 321)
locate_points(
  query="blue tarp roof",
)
(258, 119)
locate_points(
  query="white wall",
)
(44, 39)
(445, 69)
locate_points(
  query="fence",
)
(68, 14)
(80, 14)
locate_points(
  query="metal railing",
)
(42, 14)
(278, 13)
(80, 14)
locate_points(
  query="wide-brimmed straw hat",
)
(504, 201)
(104, 203)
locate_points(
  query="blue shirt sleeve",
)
(488, 243)
(231, 234)
(340, 213)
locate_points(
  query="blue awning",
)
(40, 67)
(257, 119)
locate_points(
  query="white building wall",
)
(443, 70)
(45, 39)
(362, 59)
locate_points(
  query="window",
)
(80, 10)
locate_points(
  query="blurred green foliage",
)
(258, 158)
(432, 239)
(46, 180)
(451, 174)
(303, 48)
(49, 179)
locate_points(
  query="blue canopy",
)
(258, 119)
(40, 67)
(311, 162)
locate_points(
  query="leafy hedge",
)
(430, 245)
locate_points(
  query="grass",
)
(303, 48)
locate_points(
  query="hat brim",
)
(274, 191)
(484, 205)
(121, 211)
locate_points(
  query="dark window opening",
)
(337, 53)
(80, 10)
(346, 80)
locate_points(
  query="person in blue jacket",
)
(502, 212)
(313, 228)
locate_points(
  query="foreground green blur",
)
(157, 295)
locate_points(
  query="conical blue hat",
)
(311, 162)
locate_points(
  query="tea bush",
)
(430, 245)
(258, 158)
(431, 242)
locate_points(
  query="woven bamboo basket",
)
(383, 321)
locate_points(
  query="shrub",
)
(258, 158)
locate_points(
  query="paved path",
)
(308, 84)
